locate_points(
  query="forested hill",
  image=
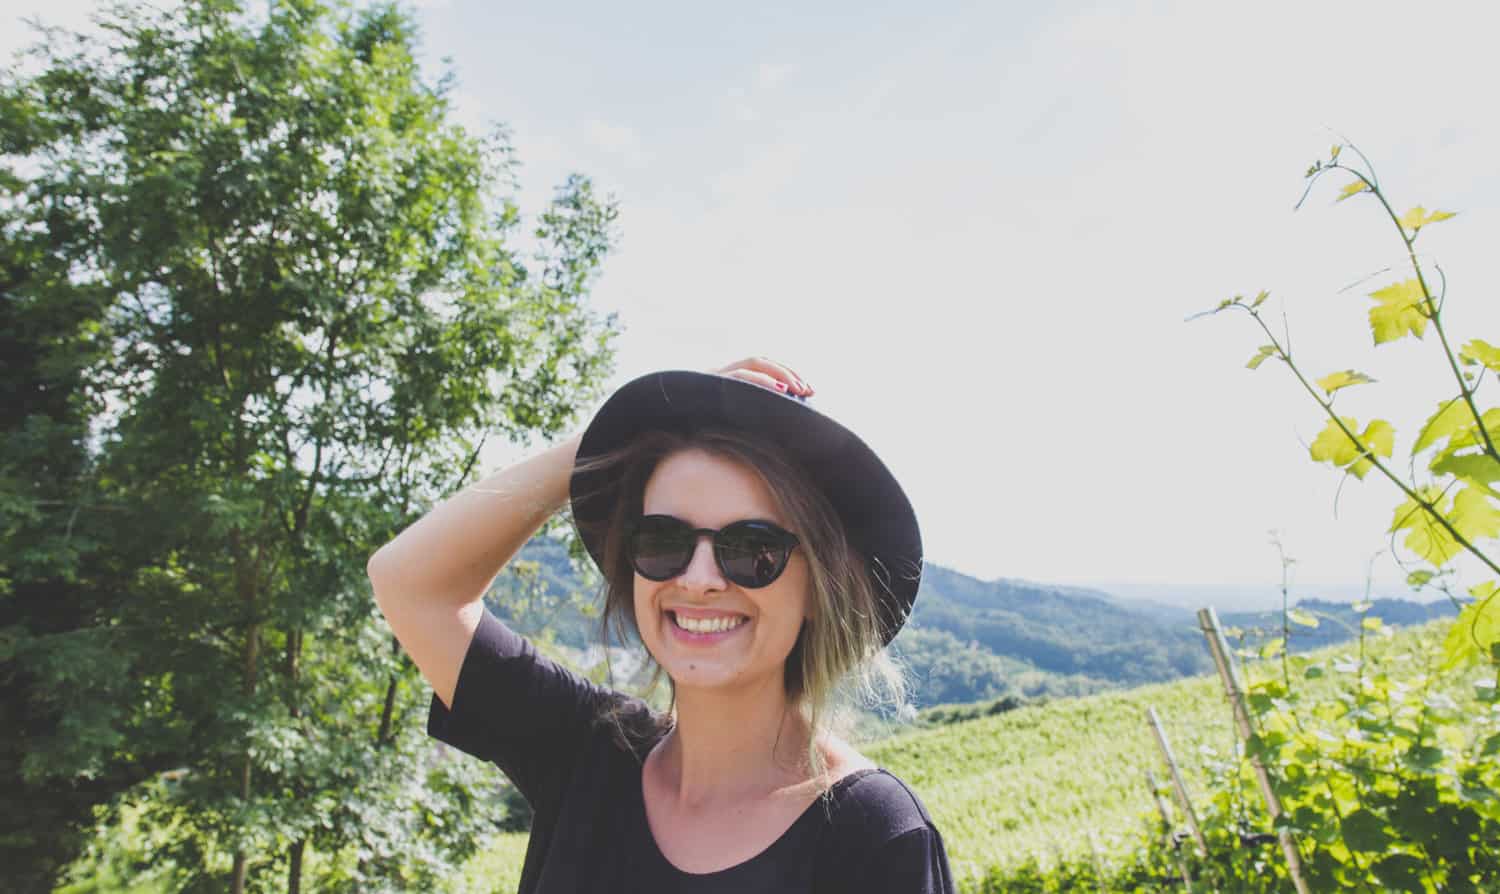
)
(972, 640)
(1060, 630)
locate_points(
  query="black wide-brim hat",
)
(876, 514)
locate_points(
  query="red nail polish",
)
(780, 386)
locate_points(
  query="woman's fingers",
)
(758, 378)
(759, 369)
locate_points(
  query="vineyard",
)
(1387, 764)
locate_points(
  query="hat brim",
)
(876, 513)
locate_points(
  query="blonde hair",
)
(839, 660)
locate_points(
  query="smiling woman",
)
(764, 557)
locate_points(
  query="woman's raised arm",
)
(430, 580)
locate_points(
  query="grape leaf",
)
(1419, 217)
(1364, 831)
(1297, 616)
(1425, 536)
(1335, 447)
(1353, 188)
(1398, 311)
(1449, 418)
(1334, 381)
(1469, 435)
(1402, 872)
(1473, 515)
(1476, 629)
(1480, 352)
(1479, 469)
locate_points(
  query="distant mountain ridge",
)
(969, 639)
(1061, 630)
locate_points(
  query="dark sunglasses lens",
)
(752, 554)
(661, 548)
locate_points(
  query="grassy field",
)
(1044, 782)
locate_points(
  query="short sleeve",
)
(911, 863)
(520, 710)
(882, 841)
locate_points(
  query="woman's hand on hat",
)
(767, 374)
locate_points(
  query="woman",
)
(764, 557)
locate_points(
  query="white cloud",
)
(770, 75)
(617, 140)
(746, 103)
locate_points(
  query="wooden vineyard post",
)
(1166, 819)
(1179, 788)
(1208, 622)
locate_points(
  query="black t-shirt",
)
(541, 725)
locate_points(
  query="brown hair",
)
(838, 660)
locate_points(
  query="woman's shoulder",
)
(875, 805)
(880, 840)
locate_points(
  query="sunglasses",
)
(751, 554)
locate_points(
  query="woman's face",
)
(710, 491)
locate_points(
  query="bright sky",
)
(977, 230)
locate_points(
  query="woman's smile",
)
(704, 627)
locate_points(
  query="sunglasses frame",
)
(783, 539)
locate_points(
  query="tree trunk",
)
(245, 584)
(387, 713)
(294, 868)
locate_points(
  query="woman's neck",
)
(730, 746)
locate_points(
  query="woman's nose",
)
(702, 572)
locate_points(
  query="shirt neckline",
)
(655, 853)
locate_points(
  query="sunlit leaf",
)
(1419, 217)
(1469, 435)
(1419, 578)
(1476, 630)
(1379, 437)
(1425, 535)
(1398, 311)
(1260, 356)
(1297, 616)
(1333, 446)
(1449, 418)
(1334, 381)
(1353, 188)
(1479, 469)
(1482, 353)
(1260, 299)
(1474, 515)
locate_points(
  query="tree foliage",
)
(263, 302)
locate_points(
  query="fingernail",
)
(780, 386)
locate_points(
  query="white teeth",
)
(707, 625)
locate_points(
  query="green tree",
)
(264, 302)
